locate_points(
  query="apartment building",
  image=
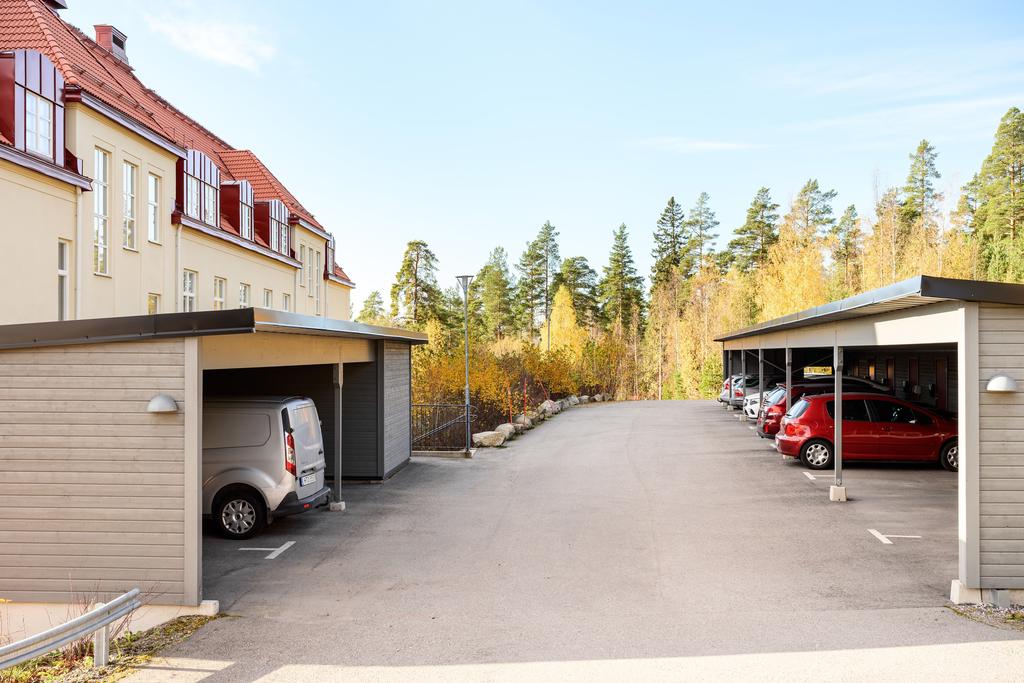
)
(122, 204)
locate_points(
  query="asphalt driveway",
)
(659, 540)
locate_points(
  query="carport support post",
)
(760, 380)
(837, 492)
(337, 503)
(728, 378)
(743, 371)
(789, 378)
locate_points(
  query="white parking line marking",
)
(880, 537)
(885, 538)
(274, 552)
(810, 476)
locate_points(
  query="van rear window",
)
(305, 424)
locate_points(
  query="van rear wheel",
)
(239, 514)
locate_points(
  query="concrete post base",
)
(959, 594)
(337, 506)
(837, 494)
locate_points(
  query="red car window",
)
(853, 410)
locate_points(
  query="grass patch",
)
(126, 654)
(1011, 618)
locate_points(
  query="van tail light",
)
(289, 453)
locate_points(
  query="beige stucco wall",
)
(211, 257)
(132, 274)
(35, 212)
(41, 211)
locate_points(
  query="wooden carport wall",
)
(951, 322)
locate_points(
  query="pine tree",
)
(493, 288)
(537, 268)
(372, 312)
(621, 288)
(580, 280)
(669, 242)
(749, 249)
(699, 226)
(811, 213)
(847, 244)
(998, 218)
(415, 296)
(920, 198)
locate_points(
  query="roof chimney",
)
(111, 40)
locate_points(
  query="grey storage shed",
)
(98, 495)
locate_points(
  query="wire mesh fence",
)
(440, 426)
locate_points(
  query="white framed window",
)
(153, 209)
(210, 212)
(192, 196)
(319, 281)
(188, 290)
(38, 125)
(244, 295)
(129, 181)
(302, 265)
(310, 255)
(268, 298)
(284, 239)
(62, 280)
(286, 302)
(152, 303)
(220, 287)
(101, 213)
(246, 221)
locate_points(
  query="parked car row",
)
(876, 425)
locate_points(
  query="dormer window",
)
(199, 189)
(271, 225)
(246, 220)
(38, 125)
(32, 106)
(210, 210)
(278, 235)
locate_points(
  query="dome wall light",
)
(162, 403)
(1001, 384)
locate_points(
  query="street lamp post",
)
(464, 281)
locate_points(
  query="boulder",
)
(573, 400)
(488, 439)
(550, 407)
(584, 399)
(563, 404)
(532, 415)
(598, 397)
(523, 421)
(508, 430)
(520, 428)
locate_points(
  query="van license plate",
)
(307, 480)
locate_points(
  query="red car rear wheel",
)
(817, 454)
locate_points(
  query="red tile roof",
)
(338, 272)
(241, 163)
(30, 25)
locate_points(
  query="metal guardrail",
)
(97, 621)
(440, 426)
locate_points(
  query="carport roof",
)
(917, 291)
(201, 323)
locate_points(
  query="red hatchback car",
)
(770, 417)
(875, 427)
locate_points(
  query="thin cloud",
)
(682, 145)
(244, 46)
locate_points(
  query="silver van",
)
(263, 457)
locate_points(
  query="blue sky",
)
(468, 124)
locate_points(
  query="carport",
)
(100, 474)
(954, 344)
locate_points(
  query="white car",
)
(752, 405)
